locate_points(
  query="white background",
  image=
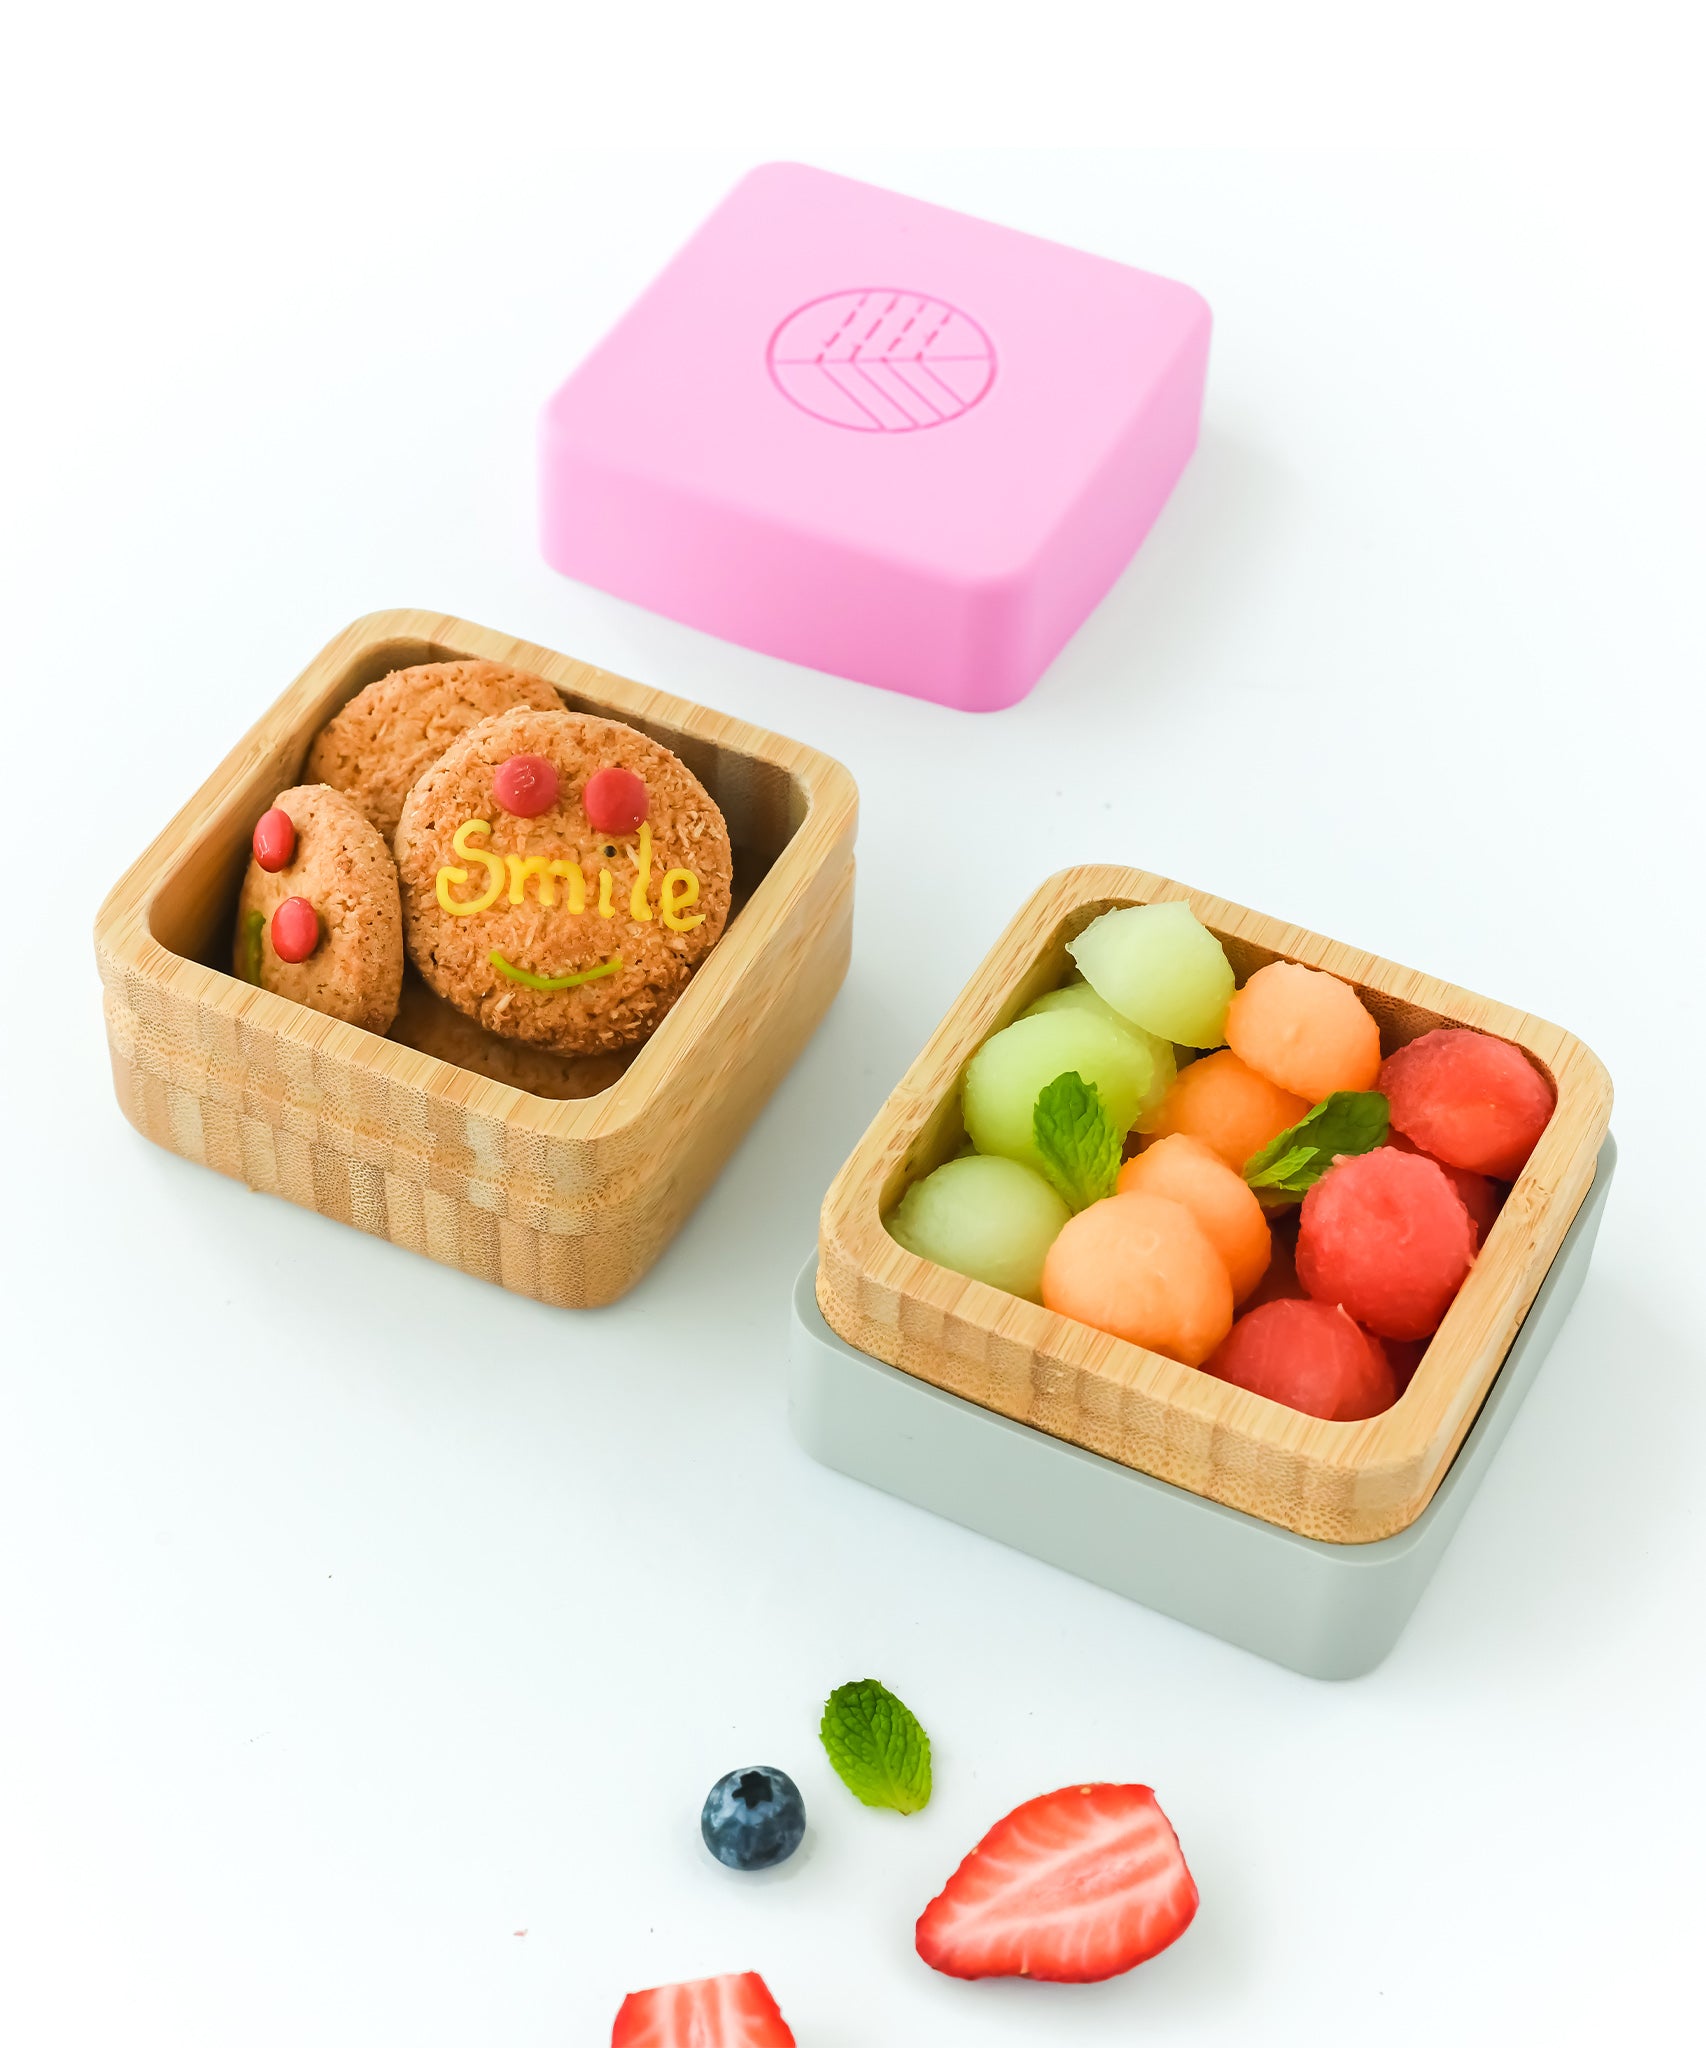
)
(357, 1616)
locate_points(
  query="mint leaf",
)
(879, 1751)
(1076, 1139)
(1276, 1175)
(1348, 1122)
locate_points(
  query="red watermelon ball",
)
(1310, 1356)
(1467, 1100)
(1483, 1198)
(1387, 1237)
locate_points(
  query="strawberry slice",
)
(713, 2012)
(1070, 1888)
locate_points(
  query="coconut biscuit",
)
(344, 870)
(379, 744)
(431, 1025)
(496, 904)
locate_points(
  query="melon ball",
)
(1483, 1198)
(1386, 1236)
(1079, 995)
(1468, 1100)
(1186, 1171)
(1157, 965)
(1309, 1356)
(1223, 1102)
(1009, 1071)
(1142, 1269)
(991, 1219)
(1305, 1030)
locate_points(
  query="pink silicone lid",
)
(876, 437)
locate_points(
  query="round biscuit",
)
(345, 870)
(455, 953)
(379, 744)
(431, 1025)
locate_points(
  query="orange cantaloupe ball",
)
(1304, 1030)
(1185, 1170)
(1231, 1108)
(1143, 1269)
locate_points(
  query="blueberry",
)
(754, 1818)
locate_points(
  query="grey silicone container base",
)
(1330, 1610)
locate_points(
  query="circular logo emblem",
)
(881, 361)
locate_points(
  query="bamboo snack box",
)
(569, 1201)
(1333, 1483)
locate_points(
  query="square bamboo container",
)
(1341, 1482)
(567, 1201)
(1329, 1610)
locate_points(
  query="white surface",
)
(359, 1616)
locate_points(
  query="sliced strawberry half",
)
(712, 2012)
(1075, 1886)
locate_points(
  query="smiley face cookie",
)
(562, 878)
(378, 745)
(319, 918)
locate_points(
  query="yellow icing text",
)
(509, 875)
(547, 873)
(638, 908)
(455, 878)
(520, 870)
(570, 872)
(680, 892)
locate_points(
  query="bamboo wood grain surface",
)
(566, 1201)
(1347, 1482)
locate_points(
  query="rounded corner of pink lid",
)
(999, 695)
(785, 167)
(782, 174)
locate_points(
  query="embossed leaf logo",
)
(881, 360)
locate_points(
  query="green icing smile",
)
(553, 981)
(254, 924)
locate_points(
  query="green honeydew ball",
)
(991, 1219)
(1158, 967)
(1009, 1071)
(1079, 995)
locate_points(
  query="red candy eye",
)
(526, 785)
(295, 928)
(615, 800)
(275, 841)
